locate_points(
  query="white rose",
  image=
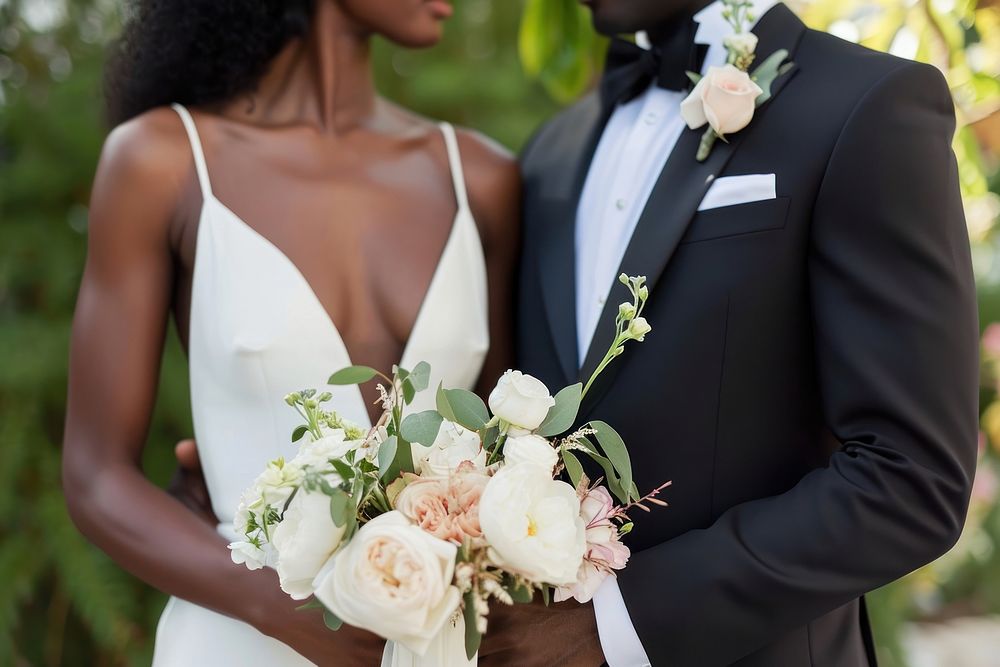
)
(393, 579)
(521, 400)
(453, 446)
(725, 98)
(305, 539)
(532, 449)
(743, 43)
(533, 524)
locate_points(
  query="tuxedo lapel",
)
(675, 198)
(557, 242)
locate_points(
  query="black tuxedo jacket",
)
(810, 382)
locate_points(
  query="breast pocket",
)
(729, 221)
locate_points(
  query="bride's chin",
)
(422, 34)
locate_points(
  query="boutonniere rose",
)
(725, 98)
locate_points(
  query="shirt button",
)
(601, 300)
(620, 204)
(651, 118)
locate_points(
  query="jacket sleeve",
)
(896, 352)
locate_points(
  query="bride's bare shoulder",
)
(145, 164)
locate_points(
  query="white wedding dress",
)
(258, 332)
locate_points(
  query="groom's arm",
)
(894, 316)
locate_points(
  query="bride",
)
(292, 222)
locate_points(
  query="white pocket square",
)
(732, 190)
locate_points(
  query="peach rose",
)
(725, 98)
(446, 507)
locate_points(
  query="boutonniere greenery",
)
(726, 97)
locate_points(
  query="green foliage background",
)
(504, 67)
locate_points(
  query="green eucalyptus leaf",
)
(473, 638)
(611, 478)
(422, 428)
(352, 375)
(519, 593)
(462, 407)
(573, 467)
(299, 432)
(340, 507)
(387, 454)
(408, 392)
(420, 376)
(345, 471)
(312, 603)
(765, 74)
(616, 451)
(331, 620)
(563, 414)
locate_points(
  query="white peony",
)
(453, 446)
(271, 489)
(521, 400)
(304, 540)
(725, 98)
(393, 579)
(245, 553)
(532, 449)
(533, 524)
(317, 453)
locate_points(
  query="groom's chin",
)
(608, 17)
(619, 17)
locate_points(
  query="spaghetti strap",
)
(196, 150)
(455, 162)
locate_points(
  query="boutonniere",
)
(726, 97)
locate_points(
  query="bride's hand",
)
(188, 482)
(533, 635)
(306, 632)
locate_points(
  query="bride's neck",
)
(323, 79)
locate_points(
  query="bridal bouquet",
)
(410, 529)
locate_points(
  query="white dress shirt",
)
(634, 147)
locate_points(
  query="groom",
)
(810, 382)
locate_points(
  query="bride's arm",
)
(493, 180)
(118, 332)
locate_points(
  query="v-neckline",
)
(314, 297)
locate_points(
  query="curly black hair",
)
(196, 51)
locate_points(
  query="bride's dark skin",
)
(357, 193)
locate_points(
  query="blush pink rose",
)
(605, 551)
(445, 507)
(725, 98)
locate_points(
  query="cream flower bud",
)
(638, 328)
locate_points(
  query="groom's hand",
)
(188, 483)
(533, 635)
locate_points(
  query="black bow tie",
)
(630, 69)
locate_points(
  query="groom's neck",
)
(660, 28)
